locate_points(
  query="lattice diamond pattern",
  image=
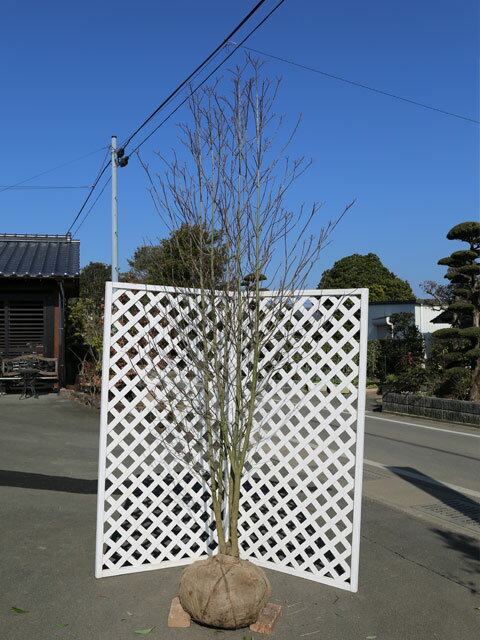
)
(299, 510)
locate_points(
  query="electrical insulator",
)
(123, 161)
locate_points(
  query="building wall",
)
(28, 322)
(379, 314)
(424, 316)
(41, 291)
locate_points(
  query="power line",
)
(180, 86)
(43, 187)
(236, 47)
(92, 189)
(59, 166)
(363, 86)
(181, 103)
(198, 68)
(92, 206)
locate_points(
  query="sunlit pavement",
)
(417, 573)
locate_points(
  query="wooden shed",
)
(38, 273)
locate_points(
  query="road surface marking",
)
(419, 476)
(423, 426)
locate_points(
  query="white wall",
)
(379, 314)
(423, 319)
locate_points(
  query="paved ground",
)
(447, 452)
(449, 455)
(417, 574)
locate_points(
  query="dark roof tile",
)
(39, 256)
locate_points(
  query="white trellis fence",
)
(301, 493)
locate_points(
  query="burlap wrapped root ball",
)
(224, 592)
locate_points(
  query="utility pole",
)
(115, 271)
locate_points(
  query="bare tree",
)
(442, 294)
(211, 369)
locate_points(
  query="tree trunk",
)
(475, 383)
(475, 379)
(233, 548)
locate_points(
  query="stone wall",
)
(461, 411)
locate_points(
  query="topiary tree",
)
(367, 270)
(462, 341)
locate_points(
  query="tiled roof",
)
(39, 256)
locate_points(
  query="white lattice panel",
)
(300, 509)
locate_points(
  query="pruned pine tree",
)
(231, 187)
(462, 358)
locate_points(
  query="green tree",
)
(373, 358)
(92, 281)
(143, 265)
(84, 323)
(461, 359)
(404, 346)
(368, 271)
(174, 261)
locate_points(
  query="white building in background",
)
(424, 312)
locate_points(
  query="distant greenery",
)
(84, 325)
(399, 360)
(357, 271)
(374, 352)
(404, 346)
(170, 261)
(167, 263)
(92, 281)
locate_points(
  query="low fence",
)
(301, 492)
(461, 411)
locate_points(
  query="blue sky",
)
(73, 74)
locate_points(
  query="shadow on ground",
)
(469, 550)
(463, 504)
(467, 508)
(47, 483)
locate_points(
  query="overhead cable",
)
(363, 86)
(93, 205)
(179, 88)
(92, 189)
(229, 55)
(59, 166)
(199, 67)
(27, 187)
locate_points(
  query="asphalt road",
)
(440, 451)
(417, 575)
(444, 452)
